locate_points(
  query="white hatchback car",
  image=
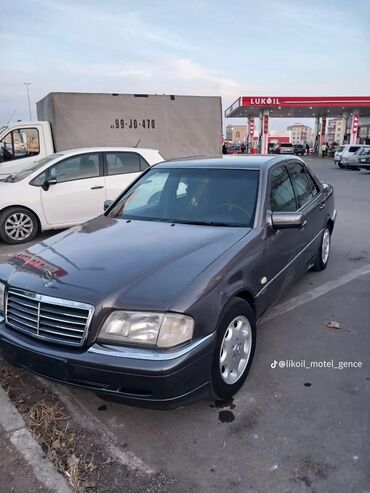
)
(343, 153)
(67, 189)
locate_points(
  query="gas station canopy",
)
(299, 107)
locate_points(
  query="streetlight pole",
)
(28, 97)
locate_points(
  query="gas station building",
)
(350, 108)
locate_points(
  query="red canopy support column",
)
(251, 135)
(322, 135)
(316, 140)
(265, 129)
(354, 127)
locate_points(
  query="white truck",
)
(178, 126)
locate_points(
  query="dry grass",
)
(50, 424)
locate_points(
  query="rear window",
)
(286, 145)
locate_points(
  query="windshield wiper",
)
(207, 223)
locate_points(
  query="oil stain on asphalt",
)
(224, 415)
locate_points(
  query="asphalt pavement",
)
(292, 427)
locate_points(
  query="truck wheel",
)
(323, 253)
(236, 342)
(18, 225)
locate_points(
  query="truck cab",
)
(22, 143)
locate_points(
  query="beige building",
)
(335, 130)
(301, 134)
(236, 133)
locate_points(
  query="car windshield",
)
(32, 168)
(341, 148)
(205, 196)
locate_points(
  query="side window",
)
(282, 198)
(76, 168)
(304, 187)
(143, 164)
(39, 180)
(314, 188)
(20, 143)
(119, 163)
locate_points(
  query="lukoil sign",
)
(262, 101)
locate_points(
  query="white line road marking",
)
(23, 441)
(314, 293)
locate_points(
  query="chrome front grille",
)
(51, 319)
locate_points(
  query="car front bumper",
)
(147, 378)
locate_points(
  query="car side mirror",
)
(107, 204)
(51, 181)
(286, 220)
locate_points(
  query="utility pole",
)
(28, 97)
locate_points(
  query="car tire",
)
(18, 225)
(340, 165)
(234, 351)
(323, 253)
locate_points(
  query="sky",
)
(200, 47)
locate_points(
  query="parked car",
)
(67, 188)
(234, 149)
(343, 154)
(285, 148)
(299, 149)
(271, 147)
(361, 158)
(338, 154)
(156, 301)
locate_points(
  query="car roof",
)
(228, 161)
(80, 150)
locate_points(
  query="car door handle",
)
(322, 205)
(98, 187)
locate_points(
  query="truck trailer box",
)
(178, 126)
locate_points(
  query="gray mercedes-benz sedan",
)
(156, 301)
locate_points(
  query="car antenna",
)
(11, 117)
(138, 142)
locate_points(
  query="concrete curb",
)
(23, 441)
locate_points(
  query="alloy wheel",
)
(235, 350)
(19, 226)
(325, 246)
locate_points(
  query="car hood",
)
(130, 264)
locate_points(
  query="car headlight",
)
(156, 329)
(2, 297)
